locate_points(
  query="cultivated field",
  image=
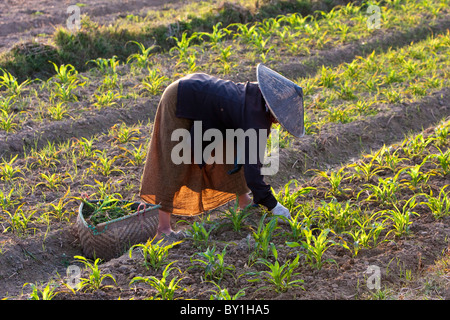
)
(368, 185)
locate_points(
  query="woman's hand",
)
(281, 210)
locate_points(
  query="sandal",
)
(174, 236)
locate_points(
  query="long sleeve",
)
(262, 193)
(257, 118)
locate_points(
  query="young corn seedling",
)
(58, 111)
(285, 35)
(440, 205)
(416, 88)
(183, 46)
(123, 134)
(366, 233)
(279, 276)
(85, 147)
(154, 82)
(199, 234)
(104, 164)
(106, 66)
(155, 253)
(365, 108)
(288, 199)
(401, 218)
(327, 77)
(336, 215)
(304, 218)
(52, 182)
(106, 99)
(263, 237)
(309, 85)
(142, 58)
(335, 179)
(18, 221)
(64, 91)
(346, 91)
(236, 217)
(441, 135)
(39, 292)
(66, 74)
(417, 178)
(6, 103)
(8, 172)
(105, 189)
(295, 20)
(415, 146)
(385, 193)
(95, 278)
(191, 62)
(109, 82)
(7, 200)
(136, 156)
(213, 264)
(260, 43)
(387, 159)
(315, 247)
(298, 48)
(165, 289)
(268, 26)
(373, 83)
(443, 159)
(7, 121)
(338, 114)
(223, 294)
(59, 209)
(322, 40)
(245, 33)
(10, 83)
(45, 157)
(393, 96)
(367, 171)
(224, 58)
(216, 36)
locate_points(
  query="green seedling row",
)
(367, 204)
(336, 95)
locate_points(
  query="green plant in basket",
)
(105, 210)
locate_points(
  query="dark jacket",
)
(222, 104)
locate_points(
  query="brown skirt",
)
(183, 189)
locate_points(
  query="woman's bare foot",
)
(244, 200)
(164, 226)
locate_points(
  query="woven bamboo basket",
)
(113, 238)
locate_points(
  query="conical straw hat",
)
(284, 99)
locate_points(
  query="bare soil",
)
(47, 255)
(41, 257)
(24, 20)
